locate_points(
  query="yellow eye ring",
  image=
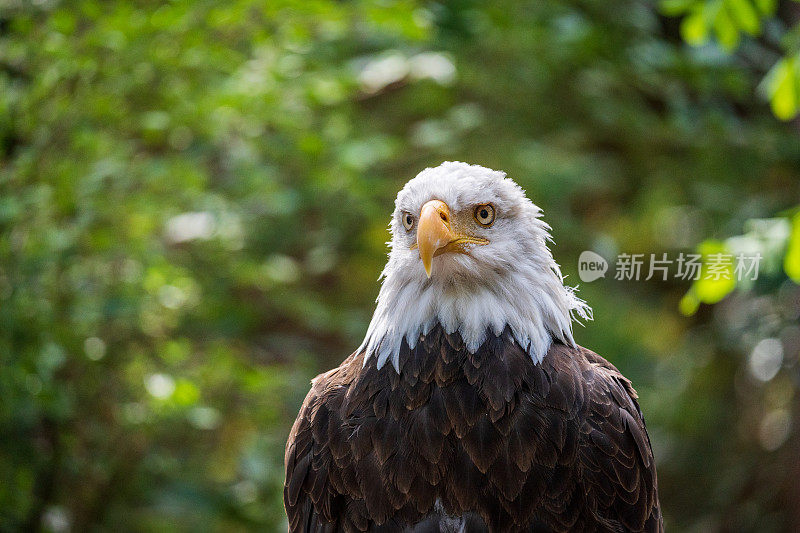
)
(408, 221)
(484, 214)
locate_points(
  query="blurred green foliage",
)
(193, 208)
(771, 34)
(773, 242)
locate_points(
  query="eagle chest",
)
(489, 432)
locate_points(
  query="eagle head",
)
(469, 251)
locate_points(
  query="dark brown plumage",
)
(472, 442)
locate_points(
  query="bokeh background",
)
(194, 199)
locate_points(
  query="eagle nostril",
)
(443, 215)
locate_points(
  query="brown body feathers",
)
(456, 441)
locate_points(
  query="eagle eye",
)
(408, 221)
(484, 214)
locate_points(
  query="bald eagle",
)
(469, 407)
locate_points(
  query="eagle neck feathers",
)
(528, 299)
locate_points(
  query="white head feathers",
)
(511, 281)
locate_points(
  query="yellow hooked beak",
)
(435, 234)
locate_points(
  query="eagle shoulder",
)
(311, 503)
(618, 470)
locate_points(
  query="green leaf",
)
(673, 8)
(186, 393)
(791, 262)
(711, 287)
(782, 88)
(766, 7)
(694, 28)
(689, 304)
(711, 291)
(745, 15)
(726, 30)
